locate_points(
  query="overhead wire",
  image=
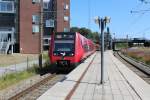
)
(135, 21)
(144, 30)
(143, 12)
(139, 17)
(89, 14)
(145, 1)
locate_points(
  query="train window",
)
(81, 43)
(64, 41)
(86, 48)
(58, 36)
(64, 36)
(63, 45)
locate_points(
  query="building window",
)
(45, 5)
(66, 29)
(49, 23)
(35, 19)
(66, 6)
(35, 29)
(6, 6)
(35, 1)
(46, 41)
(66, 18)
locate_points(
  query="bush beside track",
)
(13, 78)
(141, 54)
(141, 66)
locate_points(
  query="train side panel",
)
(51, 48)
(79, 52)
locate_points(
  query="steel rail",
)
(33, 87)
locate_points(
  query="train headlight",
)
(72, 54)
(55, 54)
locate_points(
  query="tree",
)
(87, 33)
(84, 31)
(74, 29)
(96, 37)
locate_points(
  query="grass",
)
(14, 78)
(45, 56)
(6, 60)
(138, 53)
(121, 45)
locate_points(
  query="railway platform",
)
(83, 83)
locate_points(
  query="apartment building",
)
(19, 26)
(20, 23)
(29, 26)
(7, 25)
(56, 18)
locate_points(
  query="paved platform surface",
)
(83, 83)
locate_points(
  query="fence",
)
(26, 64)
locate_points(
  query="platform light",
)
(97, 19)
(107, 19)
(102, 24)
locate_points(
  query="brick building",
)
(29, 26)
(20, 24)
(63, 15)
(56, 18)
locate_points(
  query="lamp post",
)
(127, 41)
(102, 24)
(114, 40)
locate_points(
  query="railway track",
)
(137, 67)
(36, 90)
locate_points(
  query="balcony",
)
(7, 7)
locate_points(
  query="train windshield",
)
(64, 42)
(67, 46)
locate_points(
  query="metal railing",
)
(6, 40)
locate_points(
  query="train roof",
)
(65, 32)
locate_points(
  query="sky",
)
(123, 22)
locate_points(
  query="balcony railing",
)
(6, 39)
(7, 7)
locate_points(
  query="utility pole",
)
(41, 35)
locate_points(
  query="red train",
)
(68, 48)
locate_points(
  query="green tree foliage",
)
(74, 29)
(87, 33)
(96, 37)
